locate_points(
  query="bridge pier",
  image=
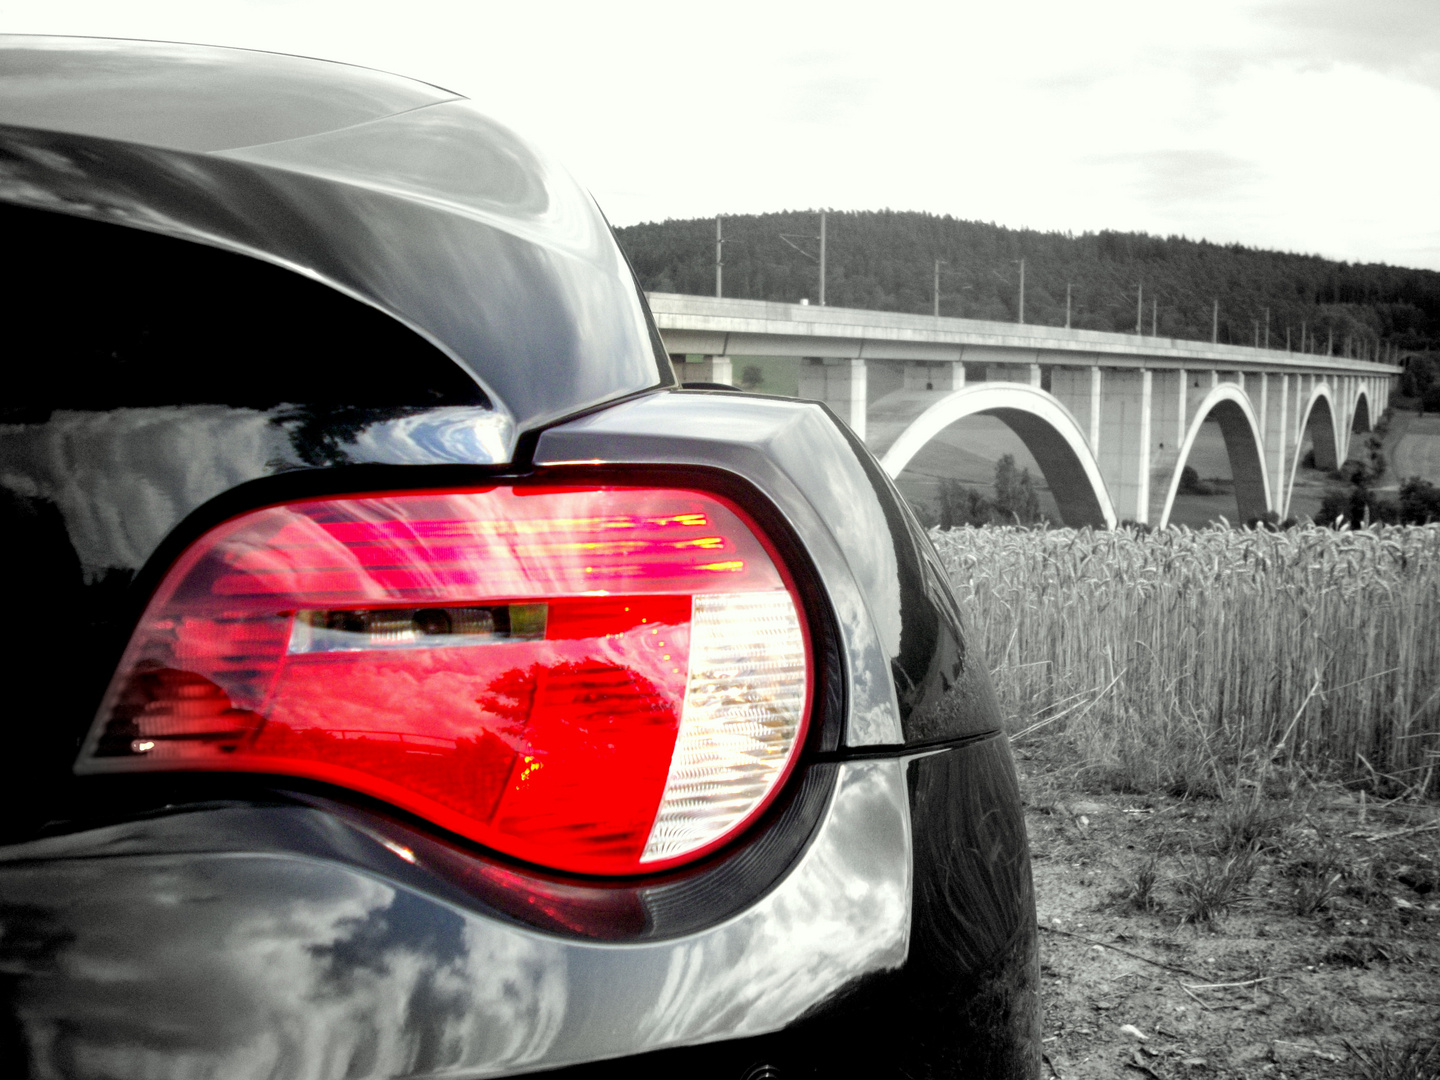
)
(1079, 390)
(1348, 394)
(1169, 423)
(1124, 450)
(932, 375)
(840, 384)
(1275, 435)
(1261, 398)
(1025, 374)
(715, 369)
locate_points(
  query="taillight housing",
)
(607, 680)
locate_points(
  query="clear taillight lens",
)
(604, 680)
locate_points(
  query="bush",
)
(1016, 502)
(1419, 502)
(1015, 498)
(960, 505)
(924, 513)
(1357, 506)
(1191, 484)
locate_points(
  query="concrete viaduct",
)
(1110, 418)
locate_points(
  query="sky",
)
(1303, 125)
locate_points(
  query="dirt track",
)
(1261, 990)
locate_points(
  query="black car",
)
(405, 676)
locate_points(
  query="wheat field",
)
(1181, 657)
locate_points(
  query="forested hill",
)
(885, 260)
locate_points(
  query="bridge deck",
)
(724, 327)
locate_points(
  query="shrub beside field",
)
(1180, 660)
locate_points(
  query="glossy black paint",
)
(941, 696)
(178, 815)
(965, 1004)
(140, 938)
(108, 318)
(278, 940)
(434, 214)
(199, 100)
(461, 317)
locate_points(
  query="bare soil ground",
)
(1278, 933)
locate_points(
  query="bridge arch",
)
(1322, 422)
(1047, 429)
(1360, 420)
(1231, 406)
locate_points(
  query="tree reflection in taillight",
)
(604, 680)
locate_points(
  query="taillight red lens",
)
(605, 680)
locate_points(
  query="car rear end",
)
(409, 678)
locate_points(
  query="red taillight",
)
(604, 680)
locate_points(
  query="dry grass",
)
(1287, 928)
(1317, 883)
(1183, 660)
(1209, 887)
(1416, 1059)
(1248, 819)
(1140, 891)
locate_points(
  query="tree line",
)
(885, 260)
